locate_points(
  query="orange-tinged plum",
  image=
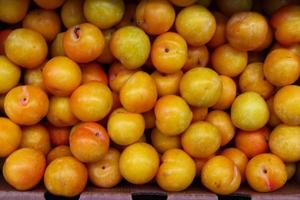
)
(282, 67)
(139, 163)
(116, 101)
(91, 101)
(230, 7)
(53, 4)
(176, 172)
(286, 104)
(143, 138)
(246, 31)
(249, 111)
(167, 84)
(221, 175)
(266, 173)
(61, 76)
(253, 143)
(267, 42)
(173, 115)
(169, 52)
(66, 177)
(46, 22)
(238, 157)
(125, 128)
(190, 22)
(35, 76)
(58, 152)
(197, 56)
(58, 135)
(183, 3)
(278, 46)
(273, 120)
(285, 22)
(106, 57)
(139, 93)
(72, 13)
(2, 97)
(3, 35)
(104, 13)
(290, 169)
(293, 48)
(284, 141)
(56, 48)
(27, 163)
(118, 75)
(199, 113)
(10, 136)
(122, 147)
(93, 72)
(10, 74)
(13, 11)
(148, 16)
(89, 142)
(201, 87)
(149, 118)
(36, 137)
(200, 163)
(162, 142)
(201, 139)
(105, 173)
(129, 15)
(219, 37)
(229, 61)
(131, 46)
(253, 79)
(59, 113)
(228, 94)
(222, 121)
(26, 47)
(26, 105)
(83, 43)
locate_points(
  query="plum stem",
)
(24, 101)
(76, 32)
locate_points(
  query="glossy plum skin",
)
(83, 43)
(26, 48)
